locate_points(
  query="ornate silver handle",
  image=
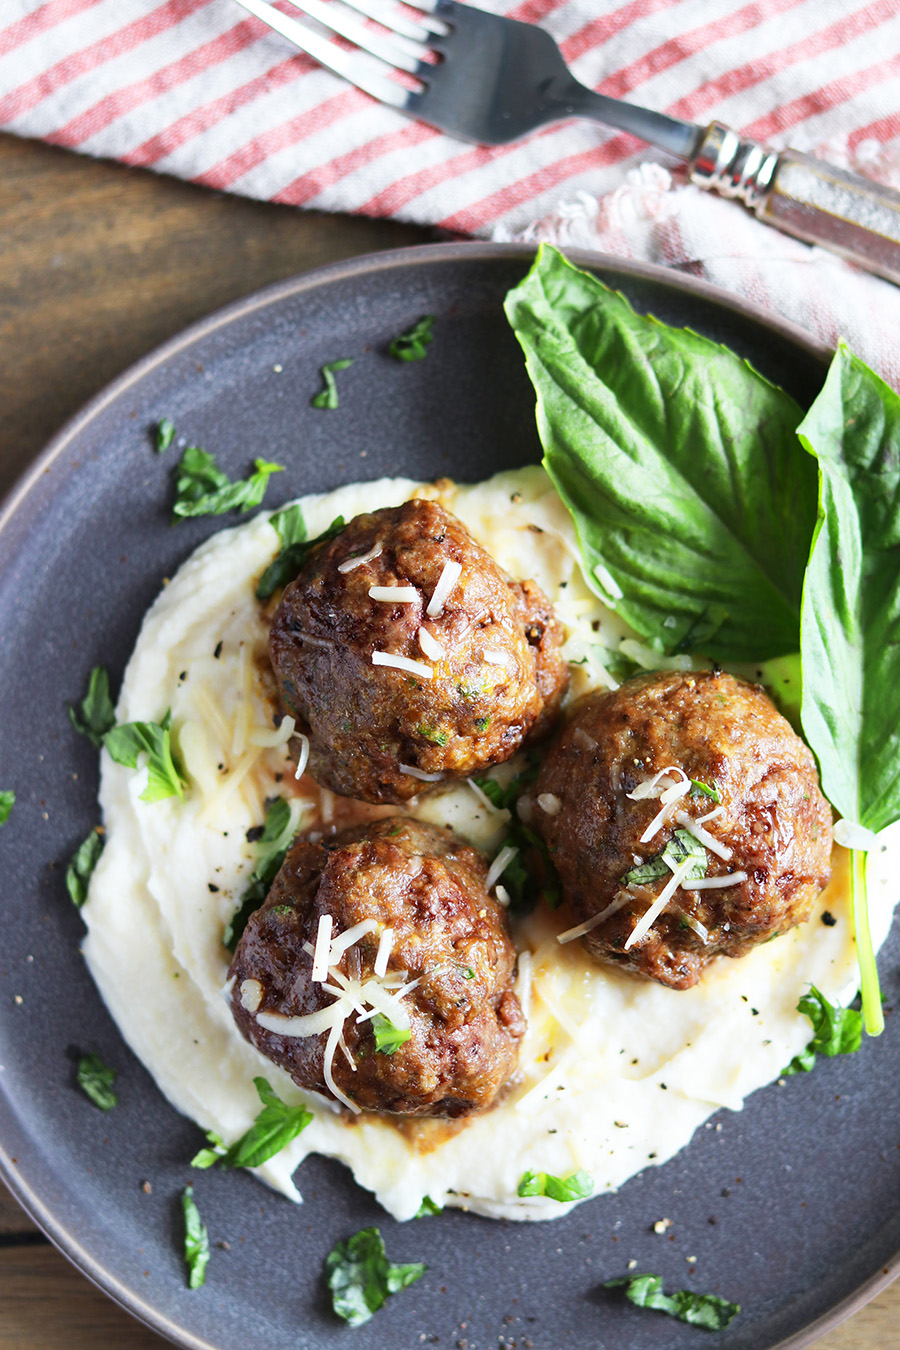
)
(805, 197)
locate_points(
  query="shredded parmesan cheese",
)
(714, 883)
(608, 582)
(580, 929)
(549, 803)
(251, 995)
(349, 564)
(269, 738)
(303, 758)
(322, 949)
(641, 929)
(699, 928)
(412, 772)
(502, 895)
(400, 595)
(495, 657)
(580, 737)
(704, 836)
(499, 866)
(385, 943)
(403, 663)
(348, 939)
(443, 590)
(430, 646)
(499, 811)
(850, 835)
(663, 786)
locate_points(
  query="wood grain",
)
(98, 264)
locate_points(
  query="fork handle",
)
(805, 197)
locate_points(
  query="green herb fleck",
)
(414, 343)
(433, 734)
(705, 790)
(196, 1241)
(388, 1038)
(202, 489)
(7, 802)
(530, 875)
(163, 435)
(699, 1310)
(361, 1278)
(272, 846)
(95, 715)
(274, 1128)
(482, 723)
(96, 1081)
(207, 1157)
(577, 1186)
(165, 776)
(836, 1031)
(328, 397)
(294, 552)
(79, 870)
(680, 847)
(427, 1208)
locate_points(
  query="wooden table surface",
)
(98, 264)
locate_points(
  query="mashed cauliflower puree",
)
(600, 1045)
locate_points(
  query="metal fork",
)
(492, 80)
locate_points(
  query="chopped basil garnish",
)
(427, 1208)
(295, 549)
(196, 1240)
(163, 435)
(434, 734)
(328, 397)
(535, 879)
(361, 1278)
(680, 847)
(705, 790)
(274, 1128)
(95, 715)
(388, 1038)
(577, 1186)
(79, 870)
(414, 343)
(202, 489)
(699, 1310)
(836, 1031)
(7, 802)
(272, 845)
(96, 1081)
(165, 776)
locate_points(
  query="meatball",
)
(598, 799)
(478, 673)
(449, 948)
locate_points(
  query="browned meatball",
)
(449, 937)
(717, 731)
(488, 671)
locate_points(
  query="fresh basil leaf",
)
(163, 435)
(165, 776)
(836, 1031)
(577, 1186)
(414, 343)
(361, 1278)
(274, 1128)
(698, 1310)
(95, 715)
(208, 1157)
(680, 847)
(96, 1081)
(328, 397)
(202, 489)
(7, 802)
(272, 846)
(678, 462)
(427, 1208)
(850, 633)
(292, 558)
(388, 1038)
(79, 870)
(705, 790)
(196, 1240)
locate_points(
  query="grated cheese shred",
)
(323, 948)
(303, 757)
(443, 590)
(399, 595)
(642, 928)
(430, 645)
(708, 840)
(349, 564)
(403, 663)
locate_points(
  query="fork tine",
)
(345, 64)
(396, 50)
(398, 23)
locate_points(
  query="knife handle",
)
(805, 197)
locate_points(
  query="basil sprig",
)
(81, 867)
(7, 802)
(295, 549)
(388, 1038)
(95, 715)
(680, 847)
(836, 1031)
(414, 343)
(272, 846)
(96, 1081)
(530, 875)
(196, 1240)
(698, 1310)
(274, 1128)
(165, 776)
(577, 1186)
(327, 397)
(163, 435)
(360, 1277)
(203, 489)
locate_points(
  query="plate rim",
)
(366, 264)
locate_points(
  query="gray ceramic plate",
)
(789, 1208)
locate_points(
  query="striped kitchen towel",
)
(199, 89)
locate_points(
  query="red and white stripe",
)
(199, 89)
